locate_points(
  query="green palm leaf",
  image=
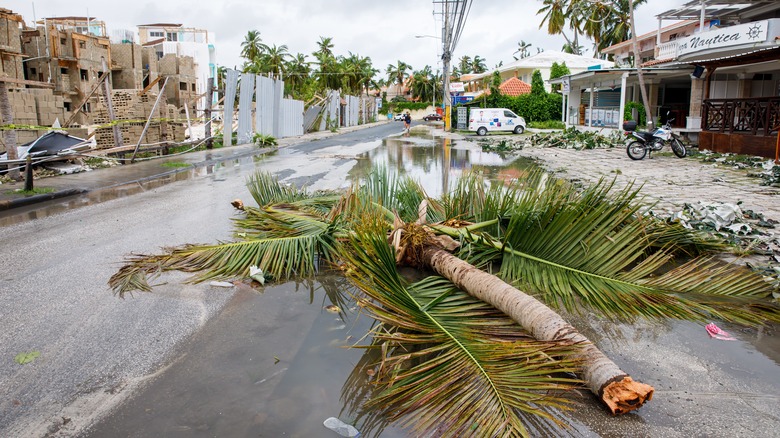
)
(450, 364)
(596, 249)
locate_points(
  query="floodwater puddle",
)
(271, 364)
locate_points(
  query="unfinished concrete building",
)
(70, 60)
(64, 61)
(29, 106)
(11, 44)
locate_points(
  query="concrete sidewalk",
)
(669, 181)
(83, 182)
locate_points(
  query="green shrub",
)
(547, 124)
(264, 140)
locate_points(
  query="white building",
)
(524, 68)
(171, 38)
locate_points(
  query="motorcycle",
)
(646, 142)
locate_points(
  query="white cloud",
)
(383, 31)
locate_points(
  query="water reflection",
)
(436, 162)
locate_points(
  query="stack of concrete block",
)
(25, 112)
(49, 107)
(133, 110)
(127, 66)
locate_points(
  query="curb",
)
(10, 204)
(29, 200)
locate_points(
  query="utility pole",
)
(446, 57)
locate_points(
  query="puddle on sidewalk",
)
(218, 171)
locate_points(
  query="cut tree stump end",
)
(625, 395)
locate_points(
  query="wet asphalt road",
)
(95, 348)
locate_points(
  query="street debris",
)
(256, 274)
(25, 358)
(748, 231)
(717, 333)
(574, 139)
(224, 284)
(758, 167)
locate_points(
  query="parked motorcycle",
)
(646, 142)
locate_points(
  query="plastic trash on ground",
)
(341, 427)
(715, 332)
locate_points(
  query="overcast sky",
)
(382, 30)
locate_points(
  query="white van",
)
(482, 120)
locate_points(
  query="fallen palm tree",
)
(565, 248)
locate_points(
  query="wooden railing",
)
(756, 116)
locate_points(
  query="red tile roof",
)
(514, 87)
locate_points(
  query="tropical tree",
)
(327, 72)
(464, 65)
(560, 15)
(397, 74)
(478, 64)
(275, 60)
(523, 49)
(252, 46)
(567, 247)
(423, 83)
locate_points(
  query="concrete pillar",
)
(744, 85)
(652, 97)
(623, 92)
(697, 97)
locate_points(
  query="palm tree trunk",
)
(638, 63)
(7, 117)
(614, 387)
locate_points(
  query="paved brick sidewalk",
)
(668, 180)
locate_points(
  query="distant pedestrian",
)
(407, 121)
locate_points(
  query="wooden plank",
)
(81, 105)
(8, 80)
(149, 87)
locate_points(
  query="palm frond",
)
(596, 249)
(282, 242)
(450, 364)
(266, 189)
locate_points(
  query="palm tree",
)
(522, 49)
(252, 46)
(422, 82)
(478, 65)
(397, 74)
(327, 73)
(275, 60)
(297, 73)
(559, 13)
(568, 247)
(464, 65)
(325, 46)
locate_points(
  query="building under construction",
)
(65, 68)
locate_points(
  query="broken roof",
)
(53, 142)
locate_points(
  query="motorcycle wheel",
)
(636, 150)
(678, 148)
